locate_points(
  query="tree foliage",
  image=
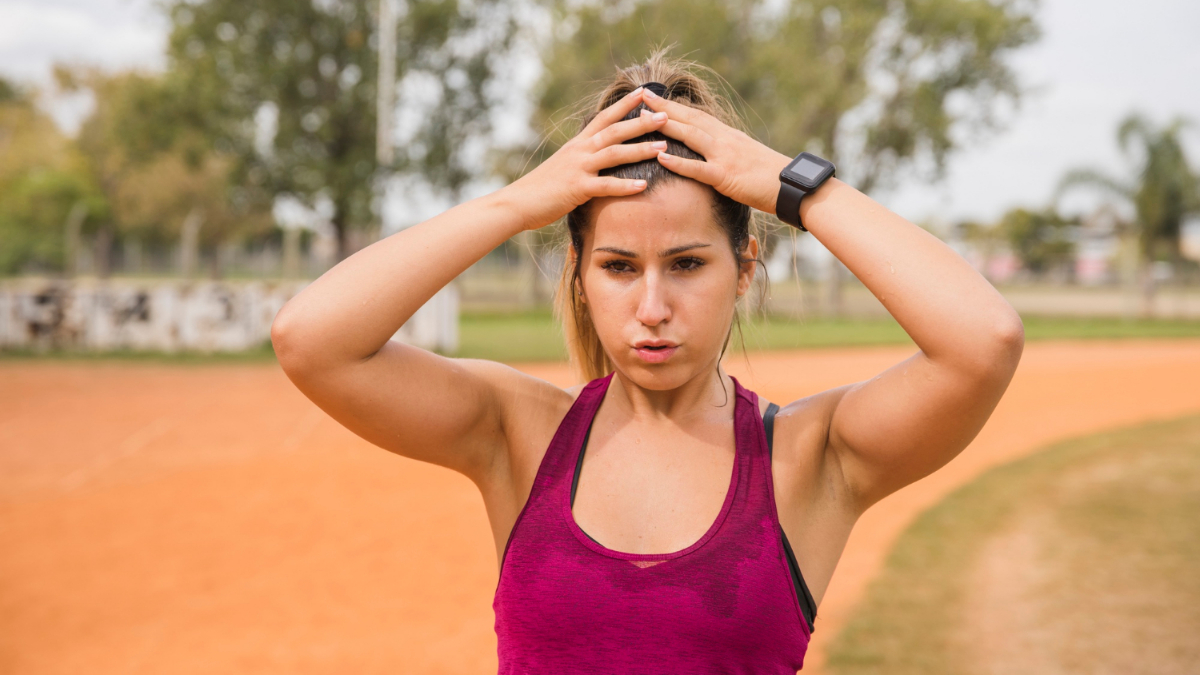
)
(306, 74)
(878, 86)
(1163, 188)
(1041, 239)
(41, 180)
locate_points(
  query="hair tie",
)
(656, 87)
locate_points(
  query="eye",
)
(616, 266)
(689, 264)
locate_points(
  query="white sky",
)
(1097, 60)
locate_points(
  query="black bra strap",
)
(769, 425)
(807, 604)
(579, 464)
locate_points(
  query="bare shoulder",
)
(807, 473)
(531, 410)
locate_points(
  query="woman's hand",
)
(736, 165)
(570, 177)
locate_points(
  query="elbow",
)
(1007, 345)
(284, 339)
(1010, 333)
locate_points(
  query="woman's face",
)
(661, 281)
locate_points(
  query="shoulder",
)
(521, 398)
(530, 410)
(805, 467)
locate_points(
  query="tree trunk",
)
(103, 244)
(189, 242)
(132, 256)
(71, 249)
(342, 230)
(291, 253)
(1148, 287)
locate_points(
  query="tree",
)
(1041, 239)
(288, 88)
(884, 88)
(44, 191)
(159, 174)
(1162, 191)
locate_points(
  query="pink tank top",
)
(726, 604)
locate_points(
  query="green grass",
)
(263, 353)
(511, 337)
(1120, 550)
(535, 336)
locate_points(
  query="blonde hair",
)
(685, 85)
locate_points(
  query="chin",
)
(658, 376)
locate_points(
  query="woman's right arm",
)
(333, 338)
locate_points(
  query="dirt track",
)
(209, 519)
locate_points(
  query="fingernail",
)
(650, 93)
(635, 91)
(659, 116)
(645, 112)
(639, 183)
(663, 155)
(659, 145)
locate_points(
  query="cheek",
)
(708, 306)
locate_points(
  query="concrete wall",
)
(174, 316)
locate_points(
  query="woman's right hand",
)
(570, 177)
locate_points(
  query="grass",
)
(1115, 582)
(535, 336)
(263, 353)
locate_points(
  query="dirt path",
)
(210, 519)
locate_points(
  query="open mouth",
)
(655, 353)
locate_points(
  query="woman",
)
(666, 546)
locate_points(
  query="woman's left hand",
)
(737, 166)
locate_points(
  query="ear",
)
(577, 284)
(747, 269)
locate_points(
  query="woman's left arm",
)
(914, 417)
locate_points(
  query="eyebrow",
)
(662, 254)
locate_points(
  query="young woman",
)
(644, 522)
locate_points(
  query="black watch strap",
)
(787, 204)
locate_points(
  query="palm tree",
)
(1163, 191)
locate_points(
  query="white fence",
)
(174, 316)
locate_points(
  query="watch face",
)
(809, 170)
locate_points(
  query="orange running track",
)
(209, 519)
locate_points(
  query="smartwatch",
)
(801, 177)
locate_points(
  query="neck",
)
(709, 391)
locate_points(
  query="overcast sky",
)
(1097, 60)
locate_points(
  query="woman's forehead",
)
(674, 213)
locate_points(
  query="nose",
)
(653, 306)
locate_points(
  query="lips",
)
(655, 351)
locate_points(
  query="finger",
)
(611, 186)
(692, 136)
(625, 153)
(704, 172)
(626, 129)
(614, 112)
(681, 112)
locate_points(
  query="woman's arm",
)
(916, 416)
(333, 338)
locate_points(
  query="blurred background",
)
(172, 172)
